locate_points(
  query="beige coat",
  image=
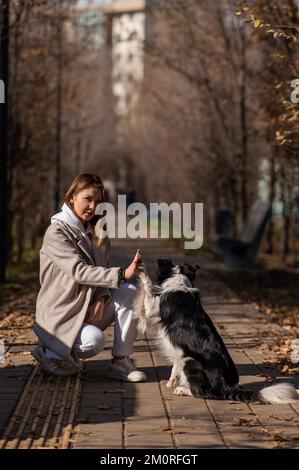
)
(70, 280)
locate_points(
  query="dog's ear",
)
(187, 270)
(190, 271)
(191, 268)
(196, 267)
(164, 269)
(164, 264)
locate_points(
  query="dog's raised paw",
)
(182, 391)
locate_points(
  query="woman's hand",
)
(95, 311)
(131, 270)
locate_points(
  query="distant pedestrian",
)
(80, 295)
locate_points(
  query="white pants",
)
(91, 339)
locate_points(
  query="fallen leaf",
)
(254, 421)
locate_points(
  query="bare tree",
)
(60, 119)
(276, 27)
(196, 119)
(4, 37)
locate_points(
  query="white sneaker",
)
(123, 369)
(53, 366)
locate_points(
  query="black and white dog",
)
(185, 334)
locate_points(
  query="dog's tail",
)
(282, 393)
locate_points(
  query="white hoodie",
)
(68, 216)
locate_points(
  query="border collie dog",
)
(185, 334)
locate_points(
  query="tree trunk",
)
(286, 218)
(244, 131)
(57, 161)
(286, 236)
(20, 238)
(4, 40)
(272, 194)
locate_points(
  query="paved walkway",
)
(91, 411)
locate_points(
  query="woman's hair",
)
(81, 182)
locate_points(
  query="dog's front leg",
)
(173, 380)
(183, 391)
(152, 307)
(151, 302)
(182, 383)
(147, 283)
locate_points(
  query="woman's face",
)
(85, 202)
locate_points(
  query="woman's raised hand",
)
(132, 269)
